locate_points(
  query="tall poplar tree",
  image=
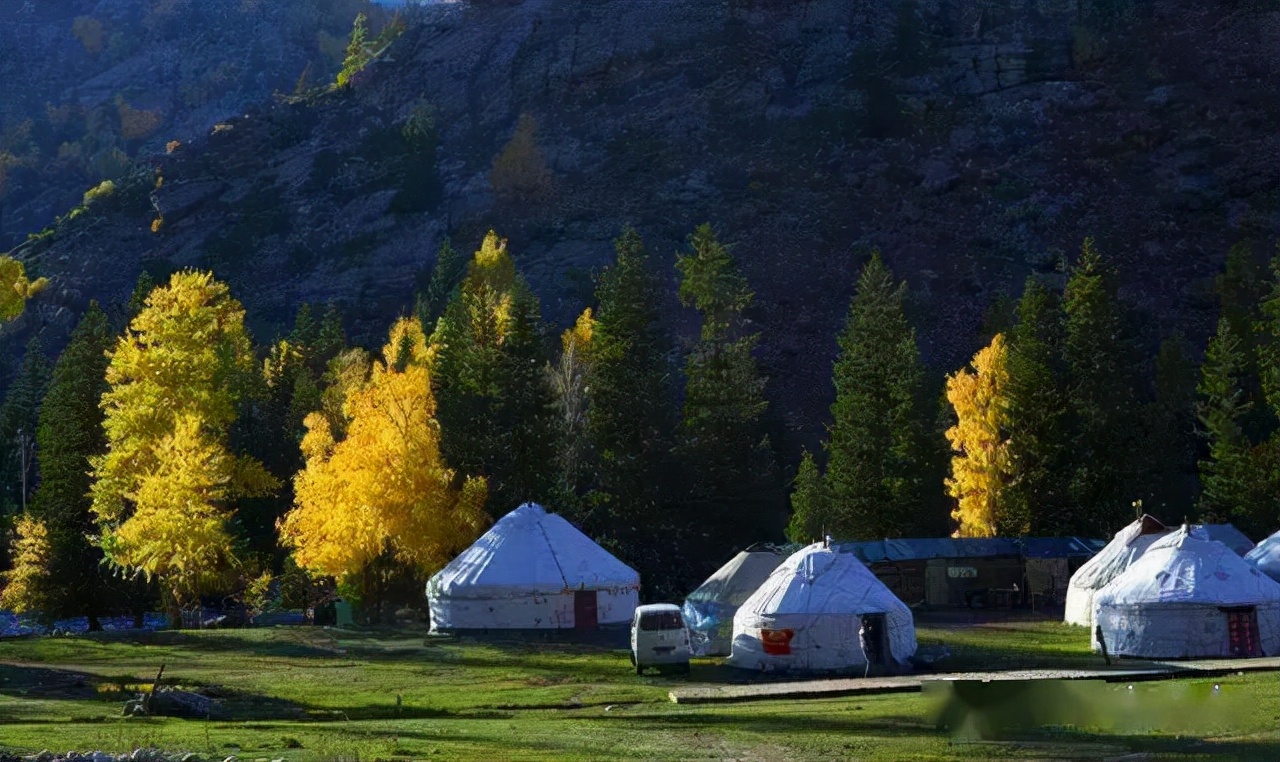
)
(877, 446)
(375, 500)
(631, 416)
(733, 488)
(164, 492)
(496, 405)
(980, 472)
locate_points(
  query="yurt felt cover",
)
(1228, 535)
(709, 610)
(531, 552)
(1266, 556)
(819, 594)
(1168, 603)
(1126, 547)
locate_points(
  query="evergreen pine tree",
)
(1100, 399)
(496, 407)
(446, 275)
(1226, 475)
(631, 417)
(1036, 499)
(1169, 486)
(69, 432)
(810, 503)
(722, 443)
(877, 442)
(19, 416)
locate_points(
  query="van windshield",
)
(661, 620)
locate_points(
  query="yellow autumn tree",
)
(980, 466)
(520, 172)
(163, 493)
(16, 289)
(382, 489)
(27, 586)
(569, 382)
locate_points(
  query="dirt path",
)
(703, 694)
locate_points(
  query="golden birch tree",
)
(980, 463)
(163, 493)
(382, 487)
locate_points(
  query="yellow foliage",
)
(136, 123)
(157, 224)
(383, 486)
(178, 357)
(178, 530)
(577, 339)
(89, 32)
(15, 289)
(980, 469)
(30, 574)
(520, 171)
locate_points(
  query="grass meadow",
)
(308, 693)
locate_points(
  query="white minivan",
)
(659, 638)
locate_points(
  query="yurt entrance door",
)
(1242, 629)
(873, 639)
(584, 610)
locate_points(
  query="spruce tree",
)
(1100, 398)
(69, 433)
(1036, 499)
(496, 407)
(19, 417)
(446, 275)
(810, 503)
(877, 444)
(722, 443)
(1226, 474)
(1168, 487)
(631, 415)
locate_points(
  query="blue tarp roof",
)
(940, 547)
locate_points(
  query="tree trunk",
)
(94, 624)
(138, 618)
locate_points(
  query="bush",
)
(101, 192)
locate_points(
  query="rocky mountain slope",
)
(85, 85)
(973, 143)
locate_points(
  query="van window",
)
(661, 620)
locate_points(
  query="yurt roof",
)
(1228, 535)
(819, 580)
(734, 582)
(1125, 547)
(1187, 567)
(1266, 556)
(528, 552)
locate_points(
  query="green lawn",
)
(319, 694)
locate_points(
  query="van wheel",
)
(684, 668)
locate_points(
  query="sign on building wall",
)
(962, 572)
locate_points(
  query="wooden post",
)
(152, 693)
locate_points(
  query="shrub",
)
(99, 192)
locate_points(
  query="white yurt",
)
(708, 611)
(532, 570)
(822, 610)
(1127, 546)
(1266, 556)
(1189, 596)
